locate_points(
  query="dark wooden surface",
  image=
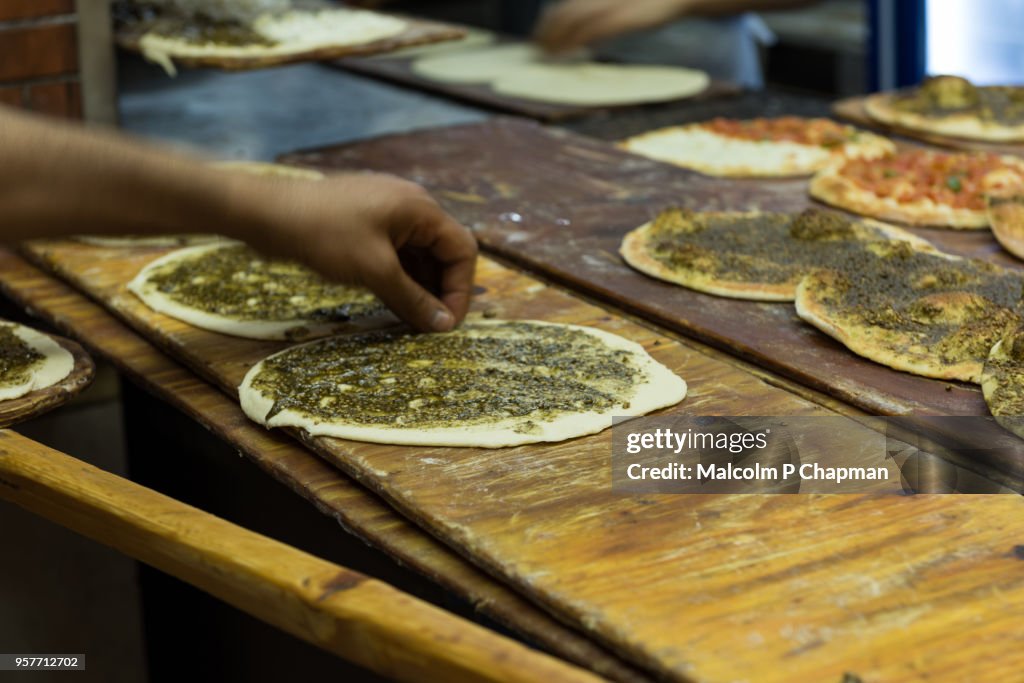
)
(852, 109)
(334, 494)
(418, 32)
(560, 203)
(399, 70)
(42, 401)
(690, 587)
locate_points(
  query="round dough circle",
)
(600, 84)
(658, 387)
(57, 363)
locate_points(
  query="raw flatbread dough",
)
(502, 383)
(251, 296)
(601, 85)
(702, 147)
(261, 168)
(1002, 381)
(930, 314)
(524, 71)
(293, 32)
(30, 361)
(478, 65)
(749, 255)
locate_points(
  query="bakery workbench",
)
(688, 588)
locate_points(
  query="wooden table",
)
(354, 507)
(688, 587)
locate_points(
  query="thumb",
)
(407, 298)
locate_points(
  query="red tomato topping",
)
(784, 128)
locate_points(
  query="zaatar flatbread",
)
(1002, 381)
(229, 288)
(749, 255)
(487, 384)
(764, 147)
(269, 38)
(29, 361)
(919, 186)
(952, 106)
(930, 314)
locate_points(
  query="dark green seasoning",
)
(16, 357)
(773, 248)
(950, 95)
(956, 308)
(480, 373)
(198, 29)
(237, 282)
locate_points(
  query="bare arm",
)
(571, 24)
(59, 179)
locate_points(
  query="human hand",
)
(378, 231)
(572, 24)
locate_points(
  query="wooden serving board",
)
(36, 403)
(417, 32)
(398, 69)
(852, 109)
(354, 507)
(691, 587)
(560, 204)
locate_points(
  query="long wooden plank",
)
(36, 403)
(354, 507)
(693, 587)
(342, 611)
(560, 204)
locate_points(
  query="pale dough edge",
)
(57, 364)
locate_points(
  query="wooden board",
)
(852, 109)
(354, 507)
(399, 70)
(36, 403)
(418, 32)
(560, 203)
(691, 587)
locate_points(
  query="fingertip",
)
(443, 321)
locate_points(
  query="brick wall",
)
(39, 56)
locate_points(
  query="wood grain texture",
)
(399, 70)
(852, 109)
(354, 507)
(417, 32)
(332, 607)
(36, 403)
(692, 587)
(560, 204)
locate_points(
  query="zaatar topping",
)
(17, 358)
(767, 247)
(478, 374)
(235, 281)
(942, 96)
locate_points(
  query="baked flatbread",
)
(29, 361)
(918, 186)
(764, 147)
(229, 288)
(261, 168)
(525, 72)
(951, 106)
(269, 36)
(930, 314)
(749, 255)
(487, 384)
(1002, 381)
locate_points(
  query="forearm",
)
(60, 179)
